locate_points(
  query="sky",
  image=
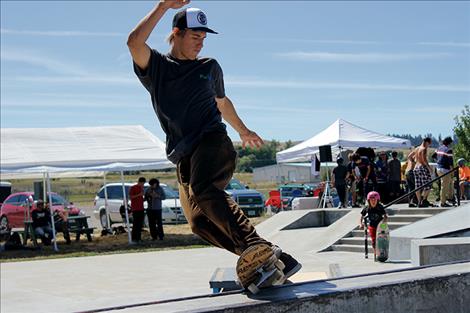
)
(290, 68)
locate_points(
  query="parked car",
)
(249, 200)
(5, 191)
(171, 207)
(290, 191)
(13, 211)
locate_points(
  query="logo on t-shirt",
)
(201, 17)
(205, 77)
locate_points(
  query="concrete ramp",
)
(449, 222)
(442, 288)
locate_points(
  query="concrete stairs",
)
(399, 215)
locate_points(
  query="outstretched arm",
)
(229, 114)
(136, 41)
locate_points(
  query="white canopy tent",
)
(340, 135)
(63, 151)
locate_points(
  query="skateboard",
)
(382, 242)
(259, 267)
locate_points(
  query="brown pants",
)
(210, 211)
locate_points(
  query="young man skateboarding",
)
(189, 99)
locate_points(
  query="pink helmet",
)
(373, 195)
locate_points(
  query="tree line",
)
(250, 158)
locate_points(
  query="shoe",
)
(412, 205)
(292, 266)
(427, 203)
(445, 205)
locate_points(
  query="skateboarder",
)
(374, 212)
(189, 99)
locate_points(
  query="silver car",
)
(172, 212)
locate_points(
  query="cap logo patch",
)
(201, 17)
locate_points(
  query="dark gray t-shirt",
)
(183, 96)
(394, 171)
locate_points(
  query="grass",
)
(176, 237)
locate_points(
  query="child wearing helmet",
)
(373, 213)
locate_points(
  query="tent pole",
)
(52, 213)
(108, 220)
(44, 194)
(125, 207)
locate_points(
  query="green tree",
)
(462, 134)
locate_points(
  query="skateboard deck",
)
(382, 242)
(258, 267)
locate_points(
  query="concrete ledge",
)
(450, 221)
(430, 289)
(435, 251)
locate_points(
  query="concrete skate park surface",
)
(88, 283)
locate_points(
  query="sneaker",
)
(427, 203)
(412, 205)
(292, 266)
(445, 205)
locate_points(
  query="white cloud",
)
(293, 84)
(60, 33)
(447, 44)
(37, 59)
(358, 57)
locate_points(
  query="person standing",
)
(410, 178)
(352, 181)
(188, 96)
(394, 176)
(464, 179)
(382, 174)
(422, 173)
(154, 196)
(136, 195)
(445, 162)
(340, 174)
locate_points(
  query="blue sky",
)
(291, 68)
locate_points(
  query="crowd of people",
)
(367, 171)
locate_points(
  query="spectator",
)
(61, 224)
(382, 173)
(373, 213)
(364, 172)
(42, 222)
(154, 197)
(422, 173)
(410, 178)
(340, 173)
(352, 181)
(394, 176)
(445, 162)
(464, 179)
(136, 194)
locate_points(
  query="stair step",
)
(395, 225)
(353, 248)
(411, 218)
(357, 241)
(433, 210)
(357, 233)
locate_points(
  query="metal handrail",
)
(424, 186)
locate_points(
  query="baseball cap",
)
(192, 18)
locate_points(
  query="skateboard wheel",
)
(280, 265)
(253, 289)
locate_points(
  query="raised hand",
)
(174, 4)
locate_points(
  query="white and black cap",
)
(192, 18)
